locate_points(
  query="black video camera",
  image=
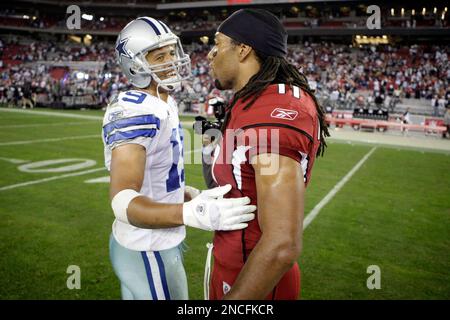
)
(202, 125)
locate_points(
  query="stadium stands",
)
(340, 72)
(65, 70)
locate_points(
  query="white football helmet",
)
(145, 34)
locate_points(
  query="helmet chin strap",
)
(166, 86)
(157, 90)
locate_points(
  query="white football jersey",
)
(140, 118)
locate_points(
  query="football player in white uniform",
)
(143, 144)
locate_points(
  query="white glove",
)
(209, 211)
(191, 191)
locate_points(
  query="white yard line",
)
(314, 212)
(53, 114)
(28, 183)
(191, 151)
(46, 124)
(12, 160)
(106, 179)
(13, 143)
(24, 184)
(64, 115)
(72, 115)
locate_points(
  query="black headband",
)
(257, 28)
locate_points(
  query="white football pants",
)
(149, 275)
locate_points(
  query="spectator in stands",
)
(447, 122)
(26, 98)
(406, 119)
(379, 99)
(407, 116)
(435, 105)
(17, 95)
(442, 102)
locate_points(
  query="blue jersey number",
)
(137, 98)
(175, 179)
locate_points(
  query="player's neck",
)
(244, 76)
(163, 95)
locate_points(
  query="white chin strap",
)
(167, 85)
(170, 84)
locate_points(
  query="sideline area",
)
(423, 142)
(411, 140)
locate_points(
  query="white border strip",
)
(314, 212)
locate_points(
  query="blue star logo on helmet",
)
(122, 49)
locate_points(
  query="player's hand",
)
(190, 193)
(210, 211)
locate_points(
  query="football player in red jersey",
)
(272, 132)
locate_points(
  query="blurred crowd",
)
(388, 73)
(46, 72)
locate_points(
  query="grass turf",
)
(394, 213)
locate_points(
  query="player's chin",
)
(218, 84)
(222, 85)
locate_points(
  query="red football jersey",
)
(283, 120)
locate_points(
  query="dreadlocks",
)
(276, 70)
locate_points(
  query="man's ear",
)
(244, 51)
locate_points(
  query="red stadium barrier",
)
(385, 125)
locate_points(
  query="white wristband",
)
(120, 203)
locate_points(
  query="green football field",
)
(393, 212)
